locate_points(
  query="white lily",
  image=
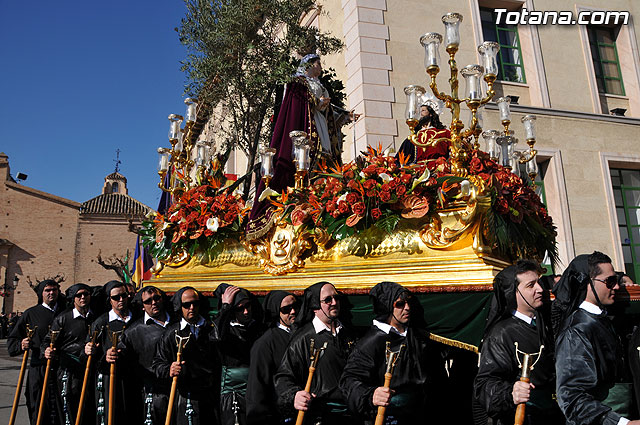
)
(267, 193)
(213, 223)
(424, 177)
(343, 197)
(385, 177)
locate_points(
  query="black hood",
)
(383, 295)
(176, 302)
(137, 299)
(73, 290)
(241, 295)
(503, 301)
(271, 306)
(570, 291)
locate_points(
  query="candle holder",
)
(301, 150)
(266, 167)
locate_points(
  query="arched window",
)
(114, 187)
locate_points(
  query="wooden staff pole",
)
(85, 381)
(382, 409)
(392, 358)
(43, 394)
(315, 354)
(115, 337)
(180, 342)
(16, 398)
(524, 377)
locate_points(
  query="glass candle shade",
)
(431, 42)
(480, 117)
(506, 148)
(503, 106)
(414, 97)
(492, 147)
(515, 166)
(472, 75)
(489, 55)
(174, 126)
(528, 121)
(163, 160)
(179, 146)
(191, 109)
(451, 23)
(266, 159)
(201, 154)
(300, 150)
(532, 168)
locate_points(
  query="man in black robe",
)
(198, 372)
(589, 356)
(137, 348)
(239, 326)
(319, 320)
(517, 316)
(38, 317)
(281, 309)
(116, 320)
(419, 377)
(72, 326)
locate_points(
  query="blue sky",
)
(80, 79)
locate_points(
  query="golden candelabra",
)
(464, 141)
(178, 159)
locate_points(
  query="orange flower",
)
(414, 207)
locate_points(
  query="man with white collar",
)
(137, 348)
(113, 321)
(38, 317)
(589, 357)
(67, 353)
(281, 309)
(419, 375)
(319, 320)
(198, 372)
(517, 316)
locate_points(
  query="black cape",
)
(418, 379)
(589, 360)
(293, 372)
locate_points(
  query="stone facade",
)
(46, 235)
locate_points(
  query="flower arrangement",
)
(382, 192)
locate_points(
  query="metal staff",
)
(85, 380)
(526, 366)
(115, 337)
(14, 409)
(392, 358)
(315, 354)
(54, 335)
(181, 341)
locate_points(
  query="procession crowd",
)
(122, 357)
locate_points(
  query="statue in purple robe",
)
(306, 106)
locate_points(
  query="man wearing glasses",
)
(199, 370)
(281, 309)
(137, 348)
(319, 320)
(517, 315)
(73, 326)
(419, 374)
(588, 352)
(113, 321)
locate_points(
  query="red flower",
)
(406, 178)
(359, 208)
(353, 197)
(502, 207)
(401, 190)
(385, 196)
(414, 207)
(369, 184)
(376, 213)
(476, 166)
(343, 207)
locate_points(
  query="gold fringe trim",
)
(454, 343)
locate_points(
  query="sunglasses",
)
(609, 282)
(187, 305)
(119, 297)
(401, 303)
(149, 300)
(81, 294)
(287, 308)
(330, 298)
(242, 307)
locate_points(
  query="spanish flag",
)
(142, 264)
